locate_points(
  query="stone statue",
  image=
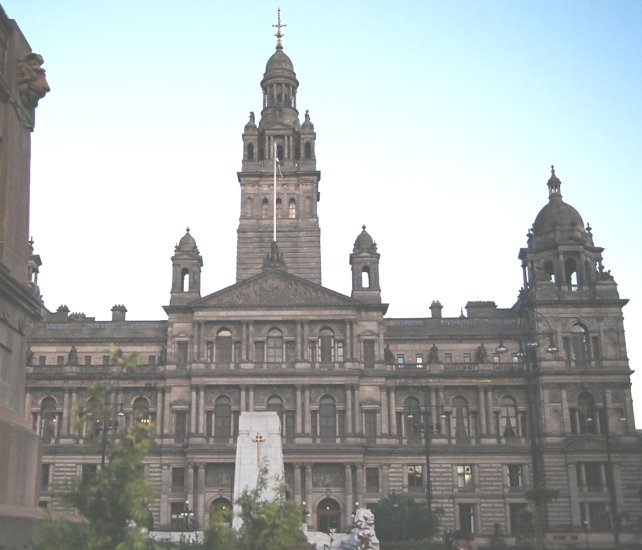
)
(364, 522)
(481, 355)
(433, 355)
(32, 82)
(72, 356)
(388, 355)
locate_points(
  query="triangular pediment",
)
(274, 288)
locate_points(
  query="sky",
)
(437, 123)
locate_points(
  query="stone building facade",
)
(467, 413)
(22, 85)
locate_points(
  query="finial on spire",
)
(187, 229)
(554, 184)
(279, 34)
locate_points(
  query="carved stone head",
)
(32, 82)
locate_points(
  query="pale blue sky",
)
(437, 123)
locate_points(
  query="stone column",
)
(491, 416)
(306, 406)
(243, 404)
(64, 429)
(166, 412)
(201, 410)
(573, 497)
(348, 494)
(360, 484)
(298, 409)
(393, 412)
(308, 485)
(159, 412)
(250, 398)
(201, 516)
(193, 410)
(189, 484)
(356, 414)
(385, 419)
(565, 426)
(483, 411)
(385, 480)
(349, 421)
(297, 483)
(166, 475)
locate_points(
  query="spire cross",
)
(258, 439)
(279, 26)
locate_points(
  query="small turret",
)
(365, 269)
(186, 273)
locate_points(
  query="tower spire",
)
(279, 34)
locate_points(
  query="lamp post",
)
(424, 425)
(187, 514)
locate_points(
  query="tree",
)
(399, 517)
(267, 525)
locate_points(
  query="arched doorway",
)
(328, 515)
(221, 510)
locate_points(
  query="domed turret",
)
(365, 269)
(560, 249)
(186, 271)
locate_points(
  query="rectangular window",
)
(467, 358)
(290, 351)
(415, 477)
(590, 476)
(370, 425)
(514, 478)
(60, 360)
(209, 354)
(400, 359)
(180, 426)
(178, 518)
(181, 355)
(289, 426)
(151, 360)
(89, 473)
(259, 352)
(369, 354)
(312, 352)
(340, 351)
(467, 518)
(465, 481)
(87, 360)
(178, 479)
(372, 480)
(42, 360)
(448, 358)
(419, 360)
(496, 357)
(106, 359)
(595, 344)
(596, 515)
(237, 352)
(45, 473)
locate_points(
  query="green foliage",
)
(497, 541)
(119, 495)
(267, 525)
(61, 535)
(399, 518)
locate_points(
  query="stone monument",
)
(258, 448)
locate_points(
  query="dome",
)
(556, 214)
(187, 242)
(364, 241)
(279, 62)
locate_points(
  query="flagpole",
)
(274, 198)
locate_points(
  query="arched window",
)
(412, 419)
(460, 423)
(275, 403)
(327, 419)
(308, 150)
(223, 419)
(570, 270)
(140, 409)
(265, 209)
(326, 345)
(279, 208)
(223, 346)
(185, 279)
(49, 419)
(587, 419)
(549, 270)
(250, 151)
(508, 426)
(292, 209)
(365, 277)
(578, 348)
(275, 346)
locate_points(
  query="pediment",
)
(274, 289)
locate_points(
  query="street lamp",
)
(424, 425)
(187, 514)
